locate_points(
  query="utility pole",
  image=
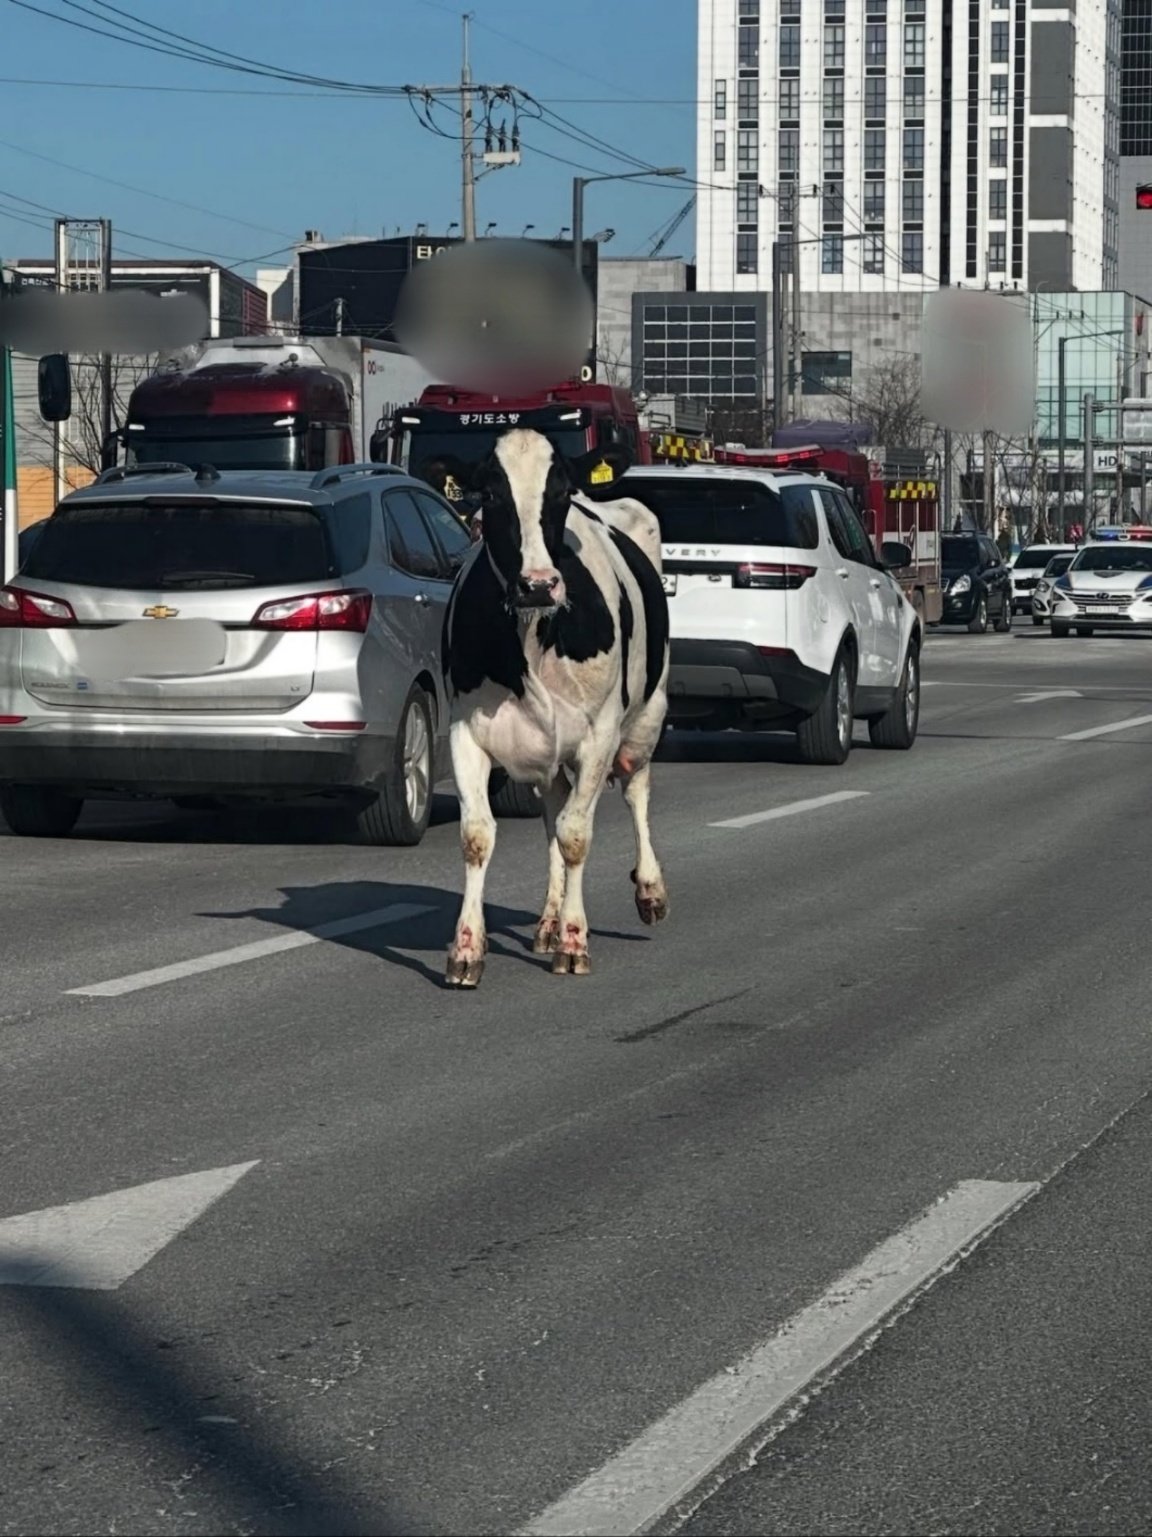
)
(467, 130)
(83, 264)
(11, 531)
(796, 355)
(989, 485)
(1089, 431)
(777, 336)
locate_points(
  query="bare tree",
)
(888, 398)
(612, 365)
(83, 431)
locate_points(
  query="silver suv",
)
(211, 636)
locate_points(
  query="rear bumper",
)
(709, 675)
(142, 760)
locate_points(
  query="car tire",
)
(36, 811)
(1085, 629)
(825, 736)
(398, 815)
(978, 624)
(1004, 619)
(1060, 631)
(896, 728)
(1036, 620)
(509, 800)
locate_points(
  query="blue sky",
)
(262, 169)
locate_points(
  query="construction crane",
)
(676, 221)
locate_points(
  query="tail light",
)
(20, 610)
(776, 578)
(317, 611)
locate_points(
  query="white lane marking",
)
(649, 1478)
(1052, 693)
(792, 809)
(253, 952)
(1119, 725)
(98, 1243)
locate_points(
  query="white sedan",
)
(1042, 592)
(1108, 586)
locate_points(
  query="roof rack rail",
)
(338, 472)
(123, 471)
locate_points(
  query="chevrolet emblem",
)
(160, 611)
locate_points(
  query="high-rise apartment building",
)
(907, 144)
(1136, 148)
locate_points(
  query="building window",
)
(748, 46)
(997, 250)
(747, 202)
(998, 148)
(999, 103)
(913, 149)
(746, 252)
(914, 45)
(747, 150)
(913, 202)
(834, 46)
(873, 201)
(874, 253)
(912, 251)
(748, 99)
(998, 199)
(874, 96)
(833, 10)
(874, 139)
(833, 149)
(790, 47)
(875, 43)
(718, 150)
(834, 98)
(914, 95)
(834, 202)
(999, 35)
(832, 253)
(825, 373)
(789, 156)
(720, 99)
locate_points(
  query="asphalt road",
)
(489, 1238)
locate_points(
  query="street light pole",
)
(578, 185)
(1089, 432)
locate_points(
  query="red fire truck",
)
(904, 510)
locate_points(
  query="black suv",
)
(977, 584)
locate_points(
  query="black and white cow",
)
(555, 655)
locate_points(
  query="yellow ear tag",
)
(451, 489)
(600, 474)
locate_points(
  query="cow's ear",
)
(450, 476)
(599, 467)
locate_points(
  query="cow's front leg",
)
(471, 767)
(548, 929)
(574, 839)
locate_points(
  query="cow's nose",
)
(537, 589)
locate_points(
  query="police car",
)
(1109, 584)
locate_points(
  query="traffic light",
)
(1144, 196)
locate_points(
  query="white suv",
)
(781, 613)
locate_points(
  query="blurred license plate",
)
(669, 584)
(151, 648)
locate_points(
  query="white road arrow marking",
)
(1052, 693)
(98, 1243)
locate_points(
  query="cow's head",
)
(525, 487)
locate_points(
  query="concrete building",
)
(941, 142)
(620, 279)
(1136, 148)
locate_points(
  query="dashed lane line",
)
(672, 1459)
(793, 808)
(1118, 725)
(238, 954)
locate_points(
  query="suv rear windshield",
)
(692, 510)
(150, 546)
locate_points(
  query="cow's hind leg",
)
(471, 767)
(574, 838)
(548, 929)
(648, 877)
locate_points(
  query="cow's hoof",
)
(567, 964)
(652, 909)
(464, 973)
(547, 936)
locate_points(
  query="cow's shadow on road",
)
(404, 942)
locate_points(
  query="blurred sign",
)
(978, 372)
(1144, 197)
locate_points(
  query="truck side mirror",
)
(54, 387)
(378, 445)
